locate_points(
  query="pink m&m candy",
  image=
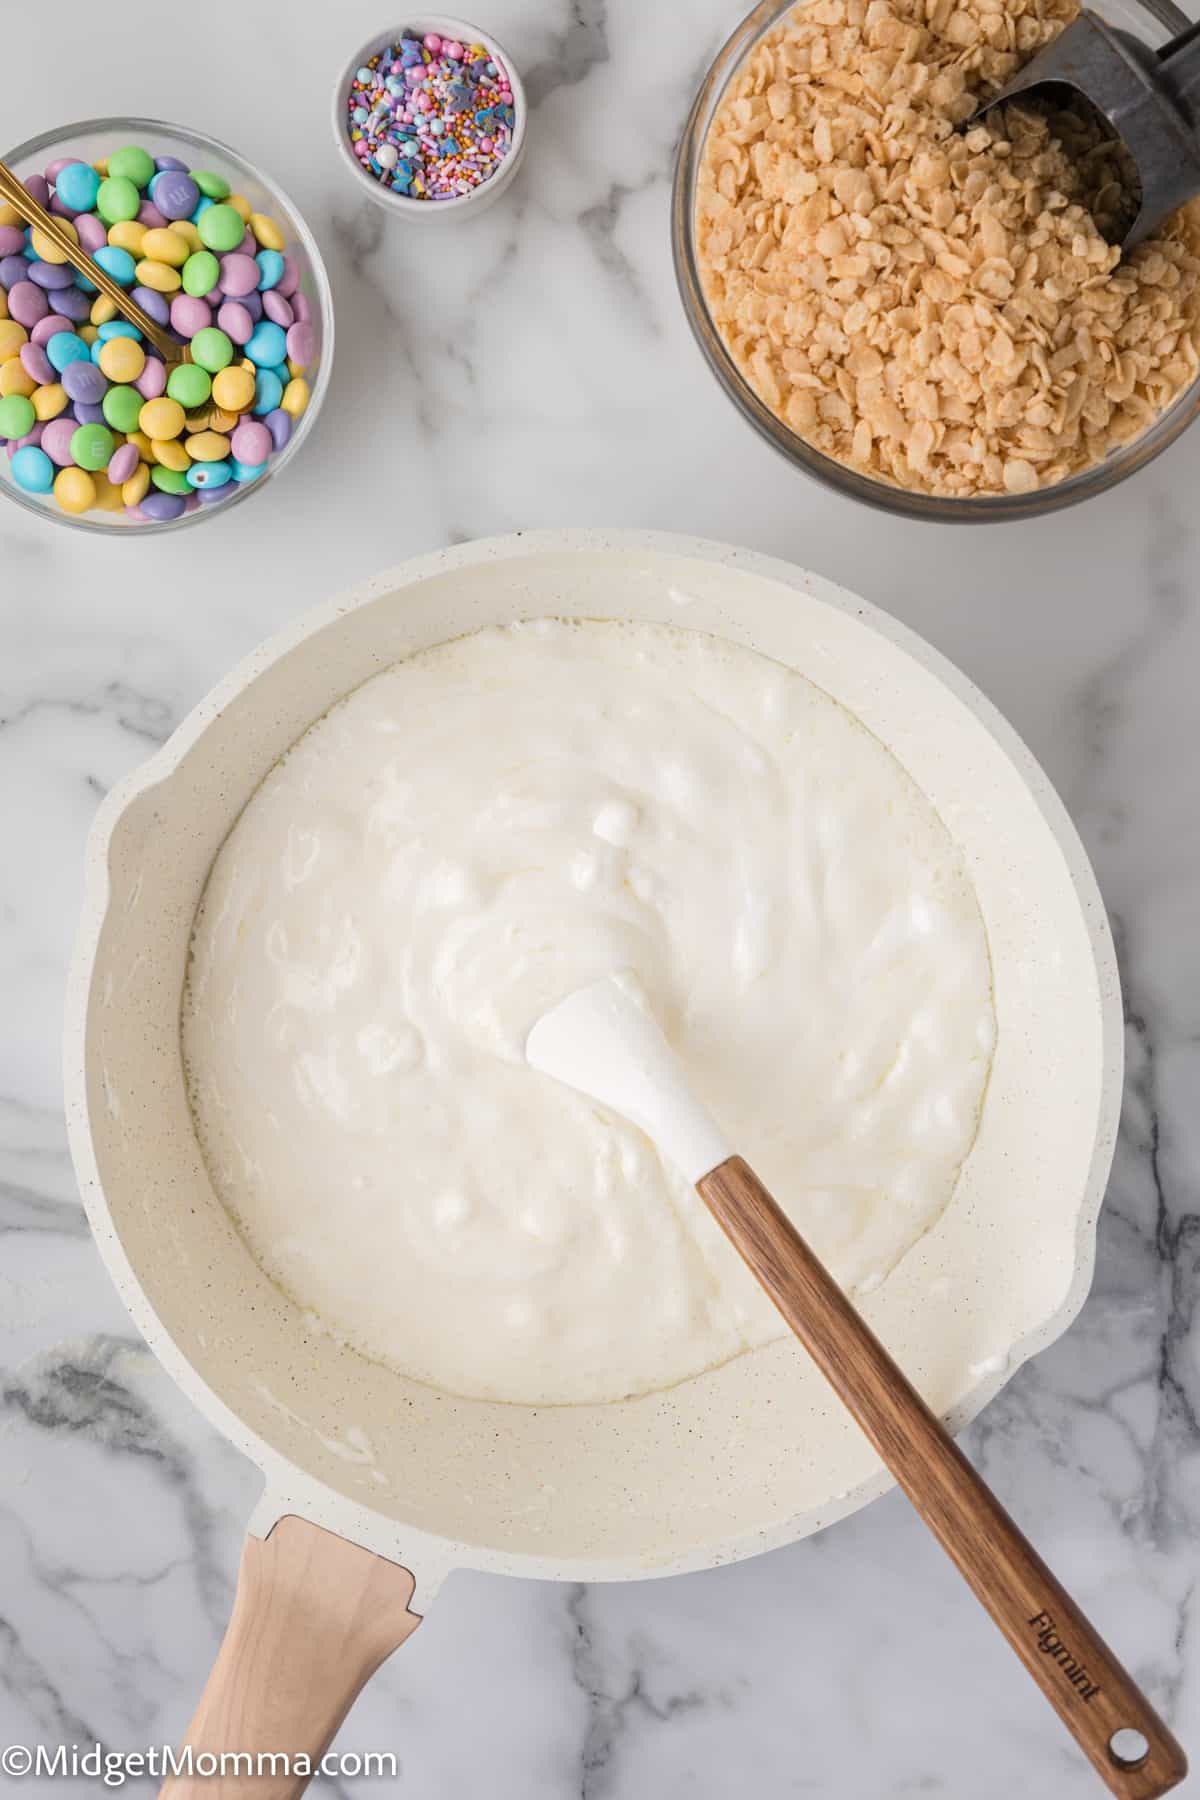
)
(152, 382)
(251, 442)
(122, 463)
(37, 364)
(56, 441)
(45, 328)
(301, 343)
(91, 232)
(235, 321)
(189, 314)
(239, 274)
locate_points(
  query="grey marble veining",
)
(533, 368)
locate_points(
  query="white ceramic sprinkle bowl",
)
(404, 205)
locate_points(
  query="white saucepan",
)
(385, 1485)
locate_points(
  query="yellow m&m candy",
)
(133, 489)
(122, 359)
(49, 401)
(157, 275)
(295, 397)
(233, 389)
(165, 245)
(208, 446)
(15, 378)
(44, 246)
(127, 234)
(266, 231)
(161, 418)
(169, 453)
(74, 490)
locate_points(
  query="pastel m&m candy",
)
(212, 349)
(17, 417)
(189, 384)
(220, 228)
(267, 344)
(32, 469)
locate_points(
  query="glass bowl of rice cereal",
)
(924, 312)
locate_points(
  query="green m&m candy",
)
(189, 384)
(16, 416)
(201, 272)
(170, 481)
(211, 348)
(92, 446)
(213, 187)
(121, 407)
(133, 164)
(117, 199)
(221, 229)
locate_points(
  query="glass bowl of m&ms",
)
(96, 431)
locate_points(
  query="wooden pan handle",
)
(313, 1618)
(1079, 1675)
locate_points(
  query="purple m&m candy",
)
(157, 505)
(279, 424)
(56, 441)
(156, 304)
(289, 281)
(73, 302)
(12, 241)
(151, 216)
(51, 275)
(13, 268)
(27, 303)
(88, 413)
(169, 162)
(301, 308)
(175, 193)
(39, 187)
(85, 382)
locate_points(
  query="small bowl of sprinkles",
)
(431, 118)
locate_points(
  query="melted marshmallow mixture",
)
(459, 844)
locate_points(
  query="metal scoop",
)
(1149, 98)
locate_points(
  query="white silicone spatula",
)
(601, 1041)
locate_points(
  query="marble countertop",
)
(533, 368)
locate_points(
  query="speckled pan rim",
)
(289, 1489)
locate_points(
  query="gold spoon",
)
(23, 202)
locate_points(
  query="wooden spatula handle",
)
(313, 1618)
(1092, 1694)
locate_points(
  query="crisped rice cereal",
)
(929, 306)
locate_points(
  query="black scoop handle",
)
(1179, 63)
